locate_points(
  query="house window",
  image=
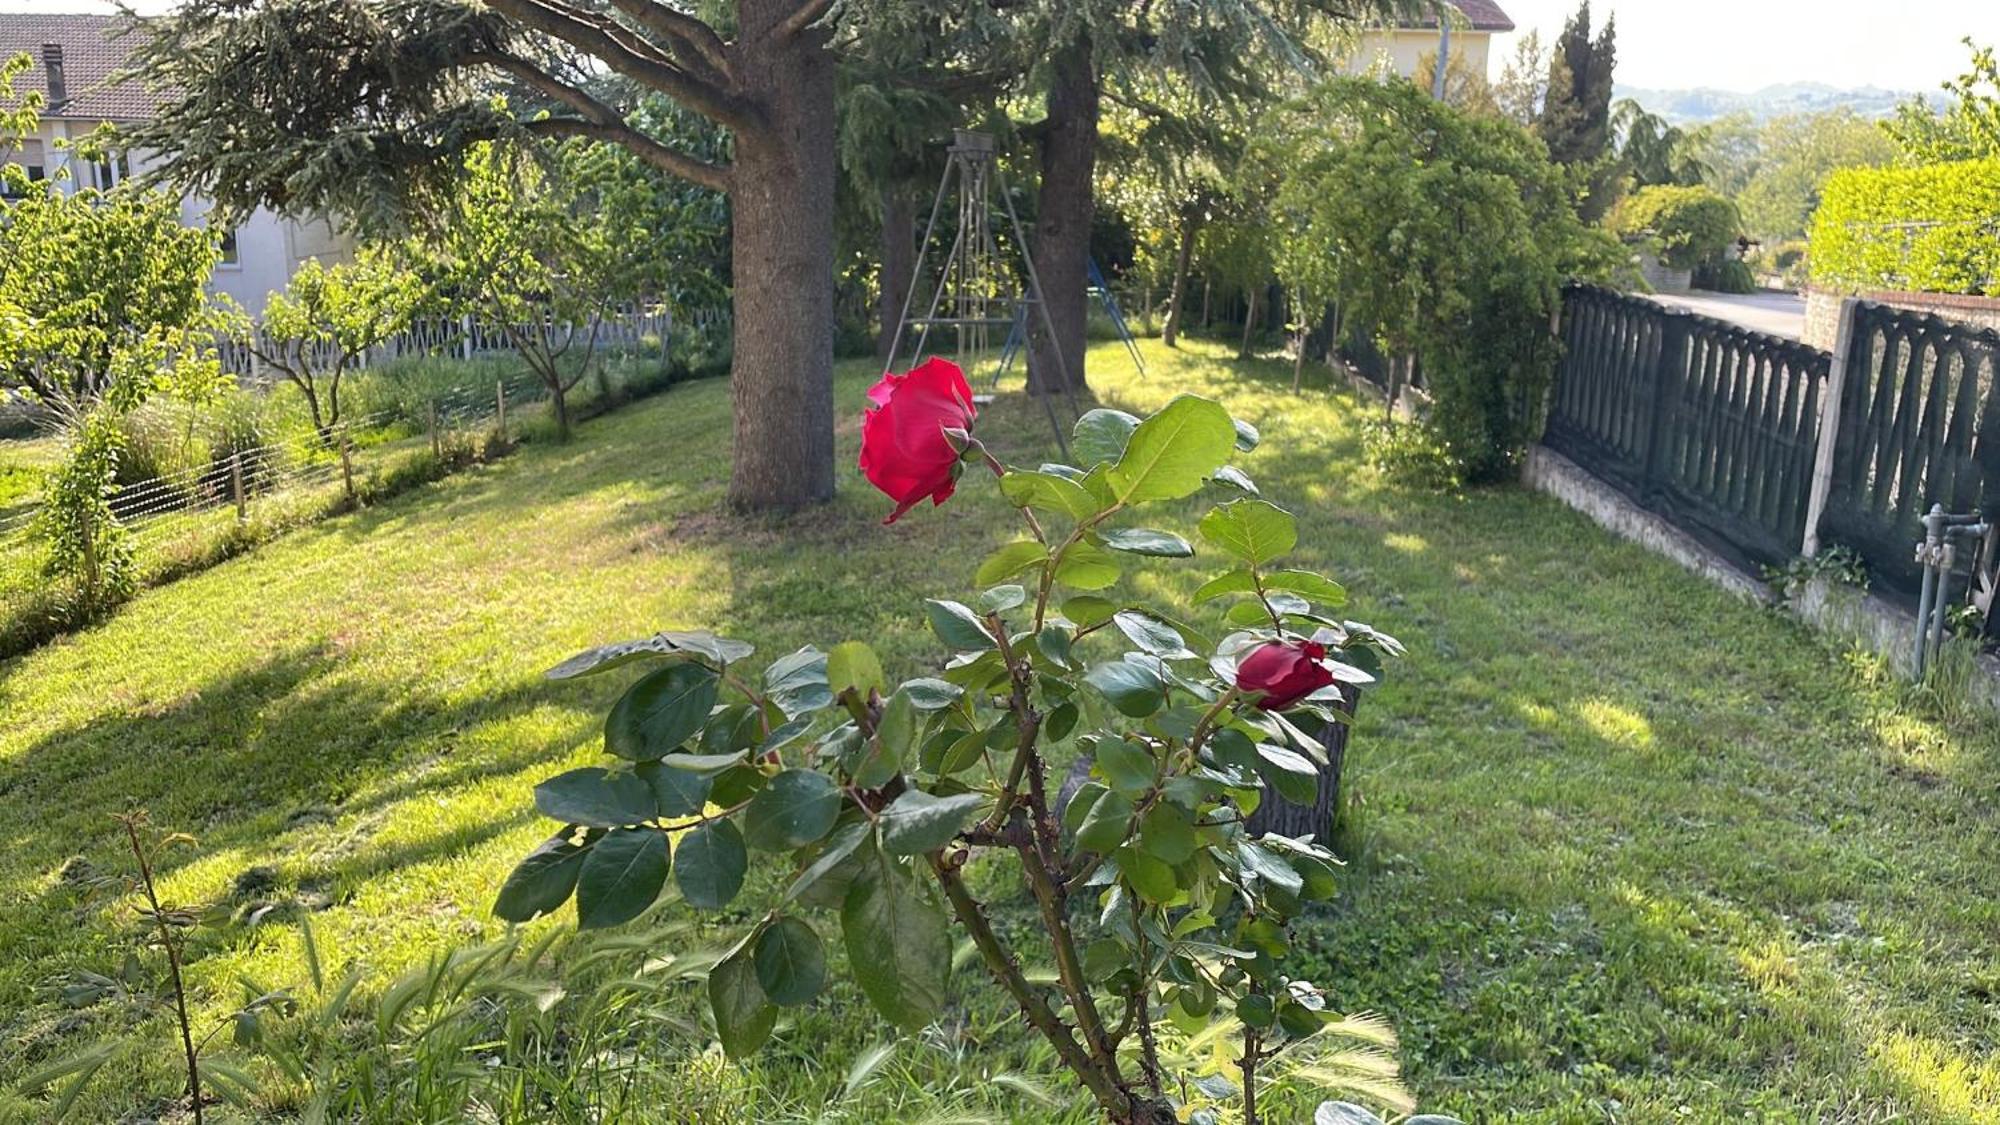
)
(229, 254)
(29, 156)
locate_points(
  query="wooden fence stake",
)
(437, 445)
(500, 408)
(346, 466)
(1829, 427)
(236, 485)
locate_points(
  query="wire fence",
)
(173, 512)
(464, 337)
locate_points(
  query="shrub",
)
(873, 796)
(1934, 229)
(1727, 276)
(1694, 227)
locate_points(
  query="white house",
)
(74, 60)
(1402, 46)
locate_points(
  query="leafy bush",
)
(1730, 275)
(1693, 227)
(1411, 453)
(1934, 229)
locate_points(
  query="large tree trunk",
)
(899, 263)
(1062, 221)
(781, 239)
(1183, 259)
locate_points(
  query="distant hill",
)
(1704, 104)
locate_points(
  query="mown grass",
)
(1630, 850)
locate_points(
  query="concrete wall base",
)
(1852, 615)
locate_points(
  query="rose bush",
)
(1165, 922)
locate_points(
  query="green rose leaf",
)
(1048, 492)
(798, 683)
(917, 822)
(791, 962)
(1009, 561)
(1153, 879)
(1101, 435)
(675, 792)
(1166, 832)
(1235, 478)
(1000, 599)
(854, 665)
(541, 882)
(883, 756)
(1172, 452)
(897, 945)
(1150, 634)
(1255, 531)
(1247, 436)
(667, 643)
(1086, 566)
(710, 865)
(1291, 773)
(1222, 585)
(620, 877)
(1088, 609)
(596, 798)
(744, 1016)
(1126, 765)
(1306, 584)
(660, 711)
(1103, 826)
(1134, 689)
(1148, 541)
(957, 626)
(838, 847)
(797, 807)
(929, 694)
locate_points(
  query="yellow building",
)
(1404, 46)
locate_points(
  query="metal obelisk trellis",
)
(976, 290)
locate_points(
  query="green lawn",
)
(1632, 850)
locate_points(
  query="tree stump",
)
(1318, 819)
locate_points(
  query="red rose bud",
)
(1284, 671)
(905, 450)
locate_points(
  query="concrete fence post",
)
(1829, 426)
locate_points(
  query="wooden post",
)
(437, 443)
(236, 485)
(500, 408)
(346, 465)
(465, 336)
(1829, 426)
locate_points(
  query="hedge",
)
(1693, 226)
(1933, 229)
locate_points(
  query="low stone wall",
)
(1823, 310)
(1841, 611)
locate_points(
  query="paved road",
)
(1780, 314)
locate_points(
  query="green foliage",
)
(1795, 156)
(1377, 190)
(1575, 121)
(876, 797)
(1692, 226)
(1411, 453)
(1930, 229)
(1653, 151)
(1968, 130)
(326, 319)
(87, 547)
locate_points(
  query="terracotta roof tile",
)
(91, 54)
(1483, 15)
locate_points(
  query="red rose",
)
(903, 448)
(1285, 671)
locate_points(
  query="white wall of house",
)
(258, 260)
(1400, 50)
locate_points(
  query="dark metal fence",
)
(1919, 425)
(1711, 425)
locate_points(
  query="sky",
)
(1727, 44)
(1748, 44)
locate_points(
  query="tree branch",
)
(683, 29)
(603, 123)
(801, 18)
(633, 57)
